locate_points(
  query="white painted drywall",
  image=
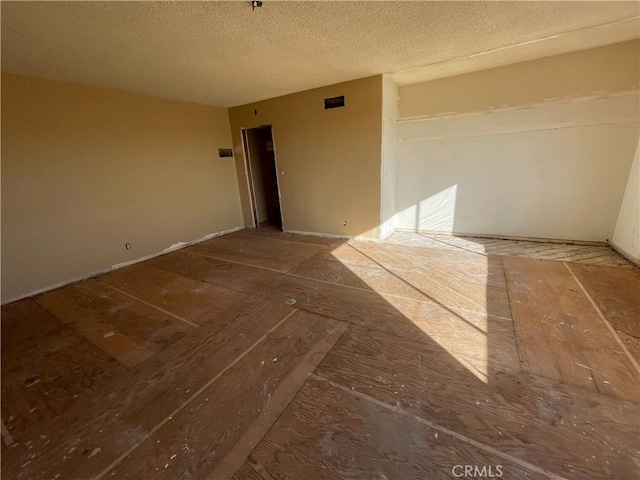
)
(626, 238)
(536, 149)
(547, 171)
(389, 157)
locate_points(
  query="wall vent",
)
(225, 152)
(334, 102)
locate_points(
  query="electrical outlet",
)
(344, 223)
(127, 246)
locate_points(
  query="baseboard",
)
(333, 235)
(506, 237)
(626, 255)
(169, 249)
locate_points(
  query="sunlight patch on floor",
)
(447, 312)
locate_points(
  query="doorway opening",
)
(262, 171)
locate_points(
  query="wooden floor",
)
(262, 355)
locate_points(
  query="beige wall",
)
(330, 158)
(85, 170)
(537, 149)
(389, 157)
(626, 238)
(605, 69)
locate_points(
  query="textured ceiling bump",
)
(223, 53)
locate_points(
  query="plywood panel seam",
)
(352, 326)
(188, 400)
(224, 470)
(515, 333)
(177, 317)
(459, 248)
(544, 248)
(248, 235)
(428, 297)
(523, 350)
(442, 429)
(427, 300)
(604, 320)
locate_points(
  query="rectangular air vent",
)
(225, 152)
(334, 102)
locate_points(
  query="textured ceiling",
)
(223, 53)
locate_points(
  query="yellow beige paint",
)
(611, 68)
(85, 170)
(330, 158)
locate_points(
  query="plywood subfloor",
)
(583, 254)
(267, 355)
(552, 314)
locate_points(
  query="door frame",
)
(249, 173)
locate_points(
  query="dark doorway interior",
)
(264, 176)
